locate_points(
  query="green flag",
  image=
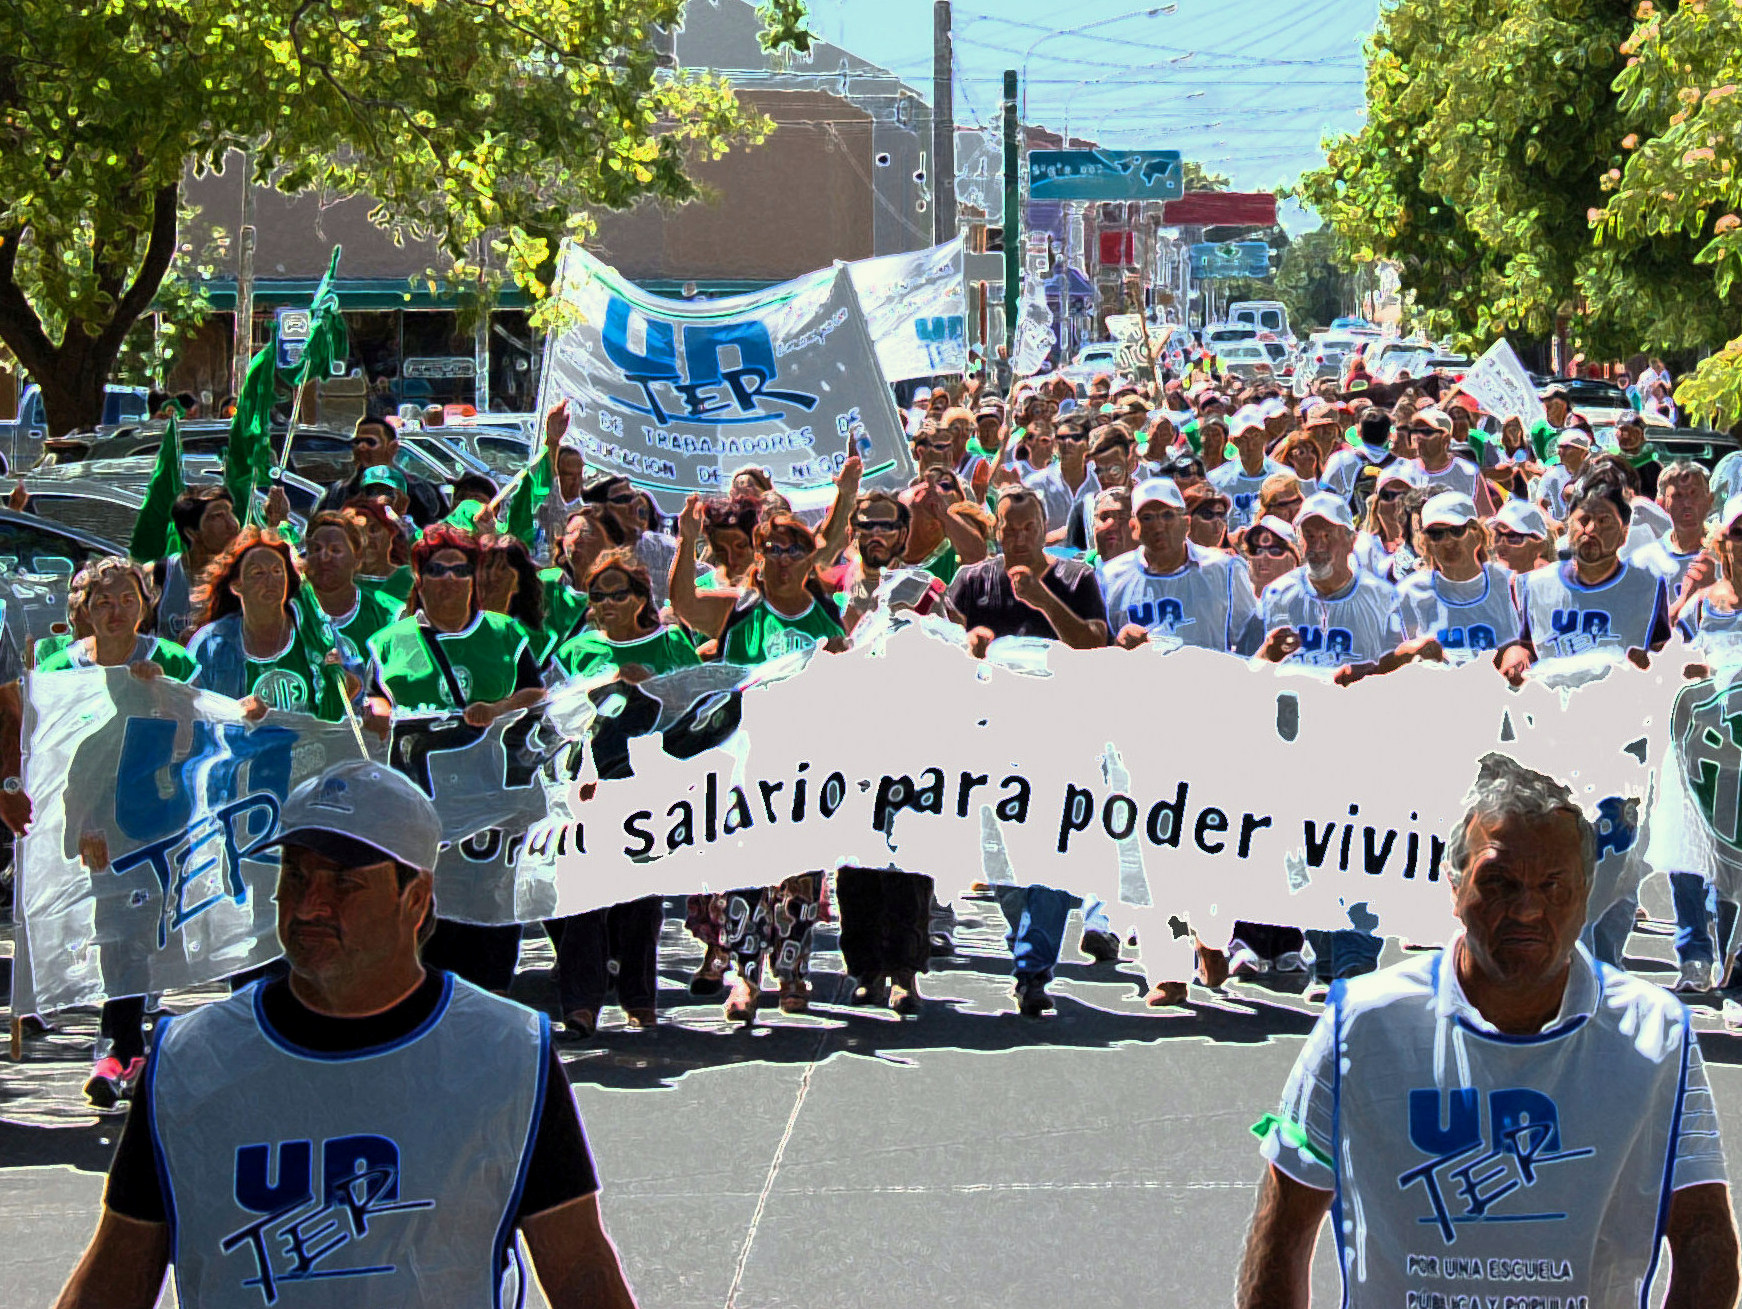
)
(248, 458)
(154, 534)
(329, 341)
(317, 638)
(534, 488)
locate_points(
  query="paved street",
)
(849, 1158)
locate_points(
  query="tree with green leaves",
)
(492, 123)
(1489, 128)
(1679, 191)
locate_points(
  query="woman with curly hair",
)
(246, 643)
(384, 567)
(508, 583)
(588, 532)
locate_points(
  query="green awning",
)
(354, 293)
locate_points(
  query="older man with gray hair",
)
(1504, 1121)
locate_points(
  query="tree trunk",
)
(73, 373)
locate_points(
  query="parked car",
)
(1704, 445)
(1352, 324)
(1227, 333)
(1265, 315)
(1096, 357)
(38, 557)
(23, 434)
(102, 497)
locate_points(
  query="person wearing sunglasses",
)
(1281, 496)
(1112, 455)
(1384, 527)
(1270, 549)
(624, 640)
(1243, 478)
(656, 550)
(1060, 485)
(1209, 510)
(1432, 429)
(450, 655)
(1519, 535)
(375, 444)
(1300, 454)
(780, 612)
(1460, 601)
(931, 447)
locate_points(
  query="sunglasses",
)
(1273, 551)
(365, 443)
(1292, 502)
(433, 569)
(1437, 534)
(1393, 494)
(1208, 514)
(610, 597)
(1504, 537)
(931, 445)
(1072, 438)
(784, 551)
(876, 526)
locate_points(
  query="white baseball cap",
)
(359, 810)
(1328, 506)
(1158, 490)
(1401, 471)
(1273, 408)
(1319, 411)
(1245, 419)
(1573, 436)
(1281, 526)
(1448, 509)
(1522, 517)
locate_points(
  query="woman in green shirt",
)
(332, 551)
(449, 654)
(588, 532)
(382, 565)
(111, 599)
(779, 612)
(624, 637)
(508, 583)
(247, 643)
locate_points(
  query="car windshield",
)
(110, 519)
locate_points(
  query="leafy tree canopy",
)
(462, 117)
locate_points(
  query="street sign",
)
(440, 366)
(1230, 259)
(293, 332)
(1105, 175)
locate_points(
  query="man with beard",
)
(1575, 1092)
(885, 912)
(1594, 599)
(1026, 592)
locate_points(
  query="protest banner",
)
(488, 787)
(916, 310)
(1304, 823)
(171, 794)
(675, 395)
(1501, 386)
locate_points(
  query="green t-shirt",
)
(50, 645)
(942, 563)
(289, 681)
(590, 654)
(372, 611)
(176, 662)
(486, 657)
(565, 609)
(396, 584)
(756, 632)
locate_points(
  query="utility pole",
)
(943, 127)
(1012, 213)
(243, 342)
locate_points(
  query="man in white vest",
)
(1504, 1121)
(364, 1132)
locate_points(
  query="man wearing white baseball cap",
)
(1573, 445)
(1241, 479)
(1167, 590)
(1325, 613)
(1463, 605)
(1432, 429)
(367, 1122)
(1519, 533)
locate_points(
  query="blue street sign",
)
(1105, 175)
(1230, 259)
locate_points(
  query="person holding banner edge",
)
(398, 1069)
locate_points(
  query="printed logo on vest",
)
(1472, 1178)
(301, 1232)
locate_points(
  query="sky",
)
(1246, 87)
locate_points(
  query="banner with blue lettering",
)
(142, 870)
(917, 310)
(676, 395)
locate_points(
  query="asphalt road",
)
(1099, 1155)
